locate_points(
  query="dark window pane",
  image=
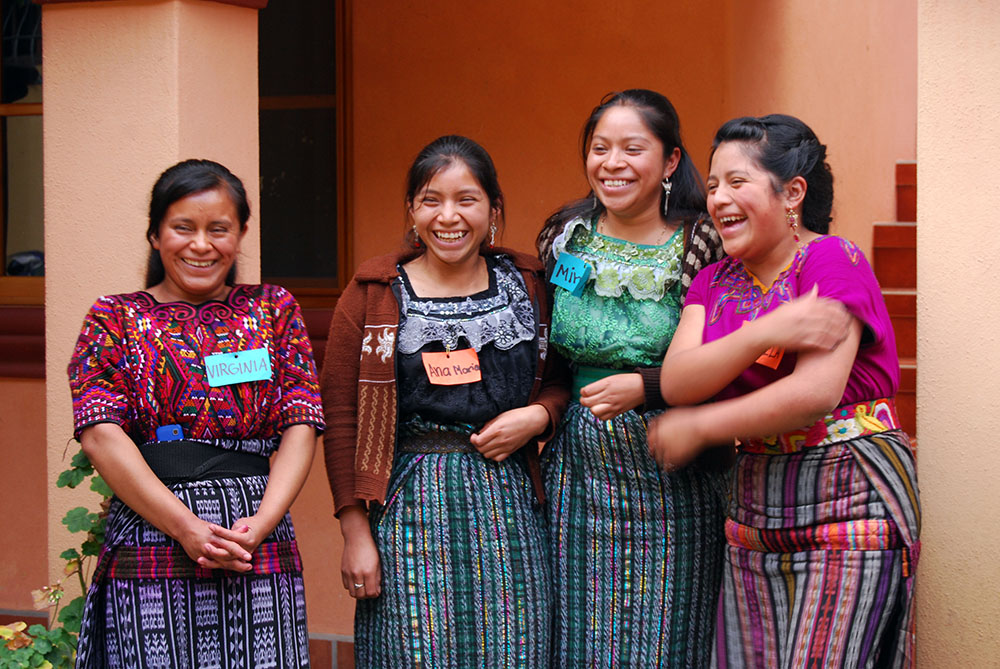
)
(23, 217)
(298, 196)
(296, 48)
(22, 49)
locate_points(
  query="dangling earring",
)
(793, 222)
(493, 233)
(666, 194)
(416, 237)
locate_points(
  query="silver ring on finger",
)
(358, 586)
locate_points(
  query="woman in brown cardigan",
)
(437, 388)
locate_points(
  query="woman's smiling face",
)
(626, 163)
(198, 240)
(452, 214)
(748, 214)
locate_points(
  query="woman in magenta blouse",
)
(790, 339)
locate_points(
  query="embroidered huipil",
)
(140, 364)
(636, 552)
(630, 306)
(465, 574)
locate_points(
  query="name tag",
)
(771, 357)
(571, 273)
(452, 368)
(225, 369)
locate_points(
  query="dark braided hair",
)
(787, 148)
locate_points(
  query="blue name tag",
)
(571, 273)
(225, 369)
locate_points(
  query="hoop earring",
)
(416, 237)
(793, 222)
(493, 233)
(667, 186)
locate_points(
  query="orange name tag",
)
(771, 357)
(452, 368)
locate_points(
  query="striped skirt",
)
(637, 553)
(150, 605)
(465, 575)
(821, 556)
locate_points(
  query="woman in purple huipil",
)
(790, 338)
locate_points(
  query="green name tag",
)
(225, 369)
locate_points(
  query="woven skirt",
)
(822, 548)
(465, 574)
(152, 606)
(636, 552)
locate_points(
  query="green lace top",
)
(631, 303)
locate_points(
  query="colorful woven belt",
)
(873, 534)
(274, 557)
(846, 422)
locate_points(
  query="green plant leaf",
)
(79, 519)
(70, 478)
(43, 646)
(72, 614)
(81, 461)
(98, 485)
(91, 547)
(70, 554)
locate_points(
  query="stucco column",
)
(130, 89)
(958, 257)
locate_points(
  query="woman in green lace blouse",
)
(637, 551)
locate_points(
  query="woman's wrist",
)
(540, 418)
(354, 522)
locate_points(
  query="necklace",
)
(602, 223)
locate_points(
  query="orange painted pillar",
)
(130, 88)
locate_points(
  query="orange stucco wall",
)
(520, 78)
(846, 68)
(22, 491)
(521, 81)
(958, 257)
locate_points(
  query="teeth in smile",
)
(449, 236)
(615, 183)
(731, 219)
(199, 263)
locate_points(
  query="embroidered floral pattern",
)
(646, 271)
(843, 429)
(608, 326)
(739, 286)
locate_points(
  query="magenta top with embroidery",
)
(731, 297)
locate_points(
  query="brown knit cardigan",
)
(358, 379)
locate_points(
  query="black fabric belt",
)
(186, 461)
(436, 442)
